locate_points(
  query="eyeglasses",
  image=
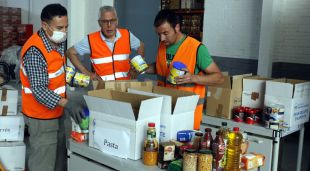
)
(108, 22)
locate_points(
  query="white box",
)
(118, 121)
(253, 91)
(177, 111)
(12, 155)
(8, 101)
(294, 95)
(12, 128)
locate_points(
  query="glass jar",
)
(205, 160)
(190, 160)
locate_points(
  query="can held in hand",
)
(139, 64)
(176, 71)
(70, 71)
(81, 80)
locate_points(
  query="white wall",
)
(231, 27)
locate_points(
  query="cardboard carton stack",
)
(12, 32)
(11, 132)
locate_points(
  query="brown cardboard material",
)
(221, 99)
(123, 85)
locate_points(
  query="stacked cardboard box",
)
(11, 131)
(12, 32)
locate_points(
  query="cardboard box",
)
(118, 121)
(221, 99)
(254, 91)
(123, 85)
(12, 128)
(177, 111)
(292, 94)
(8, 101)
(12, 155)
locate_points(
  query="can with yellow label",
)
(81, 80)
(176, 71)
(70, 71)
(139, 64)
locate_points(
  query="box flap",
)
(123, 85)
(150, 108)
(105, 106)
(237, 81)
(186, 104)
(289, 88)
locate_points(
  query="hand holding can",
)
(176, 71)
(139, 64)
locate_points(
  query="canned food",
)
(176, 71)
(274, 116)
(239, 113)
(81, 80)
(139, 64)
(70, 71)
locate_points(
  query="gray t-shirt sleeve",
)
(82, 47)
(134, 42)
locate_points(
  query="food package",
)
(249, 161)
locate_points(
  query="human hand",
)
(93, 76)
(75, 111)
(184, 79)
(133, 73)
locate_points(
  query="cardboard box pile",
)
(221, 99)
(293, 95)
(11, 131)
(118, 121)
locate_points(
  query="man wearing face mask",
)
(43, 91)
(109, 49)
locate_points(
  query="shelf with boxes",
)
(191, 14)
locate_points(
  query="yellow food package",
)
(249, 161)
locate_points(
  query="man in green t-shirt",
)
(175, 46)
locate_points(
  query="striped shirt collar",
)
(60, 49)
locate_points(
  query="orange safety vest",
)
(57, 81)
(110, 65)
(187, 54)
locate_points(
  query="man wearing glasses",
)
(109, 49)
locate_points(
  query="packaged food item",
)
(139, 64)
(218, 149)
(205, 160)
(190, 160)
(176, 165)
(76, 79)
(234, 150)
(185, 135)
(70, 71)
(260, 159)
(165, 154)
(175, 71)
(197, 140)
(150, 149)
(207, 140)
(249, 161)
(274, 116)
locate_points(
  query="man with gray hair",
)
(109, 49)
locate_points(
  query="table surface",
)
(254, 129)
(114, 162)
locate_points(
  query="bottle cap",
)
(178, 65)
(203, 151)
(208, 130)
(224, 123)
(236, 129)
(151, 124)
(198, 134)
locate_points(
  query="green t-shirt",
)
(203, 58)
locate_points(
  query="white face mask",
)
(58, 36)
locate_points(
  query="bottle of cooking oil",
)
(150, 149)
(234, 150)
(225, 132)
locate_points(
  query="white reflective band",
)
(110, 59)
(57, 73)
(59, 90)
(23, 69)
(117, 75)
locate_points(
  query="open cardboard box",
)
(118, 121)
(123, 85)
(221, 99)
(177, 110)
(12, 128)
(8, 101)
(293, 95)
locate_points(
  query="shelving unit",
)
(191, 14)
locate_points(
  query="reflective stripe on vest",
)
(59, 90)
(51, 75)
(110, 59)
(117, 75)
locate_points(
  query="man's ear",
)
(44, 25)
(177, 28)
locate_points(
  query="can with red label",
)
(239, 113)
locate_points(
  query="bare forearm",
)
(140, 50)
(73, 56)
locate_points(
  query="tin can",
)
(274, 116)
(70, 71)
(85, 121)
(81, 80)
(139, 64)
(176, 71)
(252, 116)
(239, 113)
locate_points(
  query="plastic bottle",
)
(218, 148)
(150, 149)
(207, 140)
(225, 132)
(234, 150)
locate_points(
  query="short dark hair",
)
(166, 16)
(52, 10)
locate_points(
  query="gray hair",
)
(105, 9)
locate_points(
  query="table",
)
(257, 133)
(83, 157)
